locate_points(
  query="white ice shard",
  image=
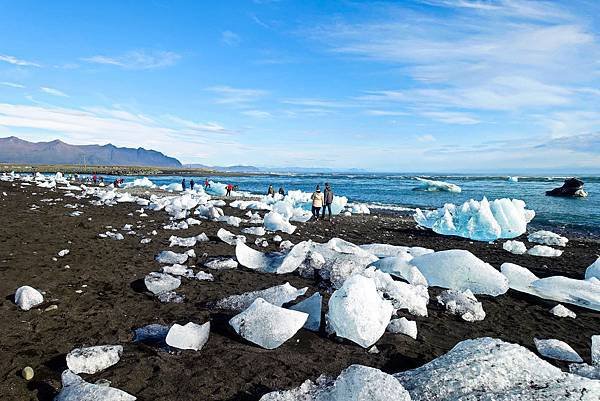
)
(170, 257)
(230, 238)
(143, 182)
(461, 270)
(27, 297)
(358, 312)
(513, 179)
(585, 370)
(355, 383)
(596, 351)
(113, 236)
(561, 311)
(519, 278)
(91, 360)
(556, 349)
(487, 369)
(188, 241)
(267, 325)
(478, 220)
(76, 389)
(584, 293)
(191, 336)
(403, 326)
(231, 220)
(593, 270)
(178, 270)
(400, 266)
(546, 251)
(203, 276)
(255, 260)
(311, 306)
(158, 283)
(516, 247)
(64, 252)
(278, 295)
(462, 303)
(273, 221)
(260, 231)
(547, 238)
(432, 185)
(387, 250)
(413, 298)
(297, 255)
(222, 264)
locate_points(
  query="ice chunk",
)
(158, 283)
(387, 250)
(403, 326)
(231, 220)
(297, 256)
(561, 311)
(278, 295)
(432, 185)
(143, 182)
(400, 266)
(191, 336)
(463, 304)
(178, 270)
(584, 293)
(76, 389)
(286, 244)
(170, 297)
(556, 349)
(256, 260)
(93, 359)
(547, 238)
(187, 242)
(585, 370)
(222, 264)
(356, 383)
(267, 325)
(596, 350)
(274, 221)
(312, 306)
(519, 278)
(357, 311)
(170, 257)
(516, 247)
(152, 333)
(546, 251)
(593, 270)
(203, 276)
(461, 270)
(113, 236)
(260, 231)
(481, 221)
(229, 237)
(27, 297)
(402, 295)
(487, 369)
(64, 252)
(513, 179)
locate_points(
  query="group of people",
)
(271, 191)
(322, 200)
(193, 183)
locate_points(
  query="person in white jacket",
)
(317, 202)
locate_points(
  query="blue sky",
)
(429, 85)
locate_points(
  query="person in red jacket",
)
(229, 189)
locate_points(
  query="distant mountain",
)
(15, 150)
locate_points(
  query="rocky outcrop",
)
(571, 187)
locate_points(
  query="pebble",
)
(51, 308)
(78, 291)
(27, 373)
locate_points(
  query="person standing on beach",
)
(229, 189)
(327, 200)
(192, 183)
(281, 191)
(183, 184)
(206, 184)
(271, 191)
(317, 202)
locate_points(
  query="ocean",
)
(395, 191)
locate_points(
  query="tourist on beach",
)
(281, 191)
(327, 200)
(206, 184)
(192, 183)
(229, 189)
(102, 179)
(95, 179)
(116, 183)
(183, 184)
(271, 191)
(317, 202)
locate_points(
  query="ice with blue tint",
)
(400, 266)
(278, 295)
(556, 349)
(76, 389)
(584, 293)
(593, 270)
(312, 306)
(432, 185)
(519, 278)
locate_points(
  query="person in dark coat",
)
(192, 183)
(327, 201)
(183, 184)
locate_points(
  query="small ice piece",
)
(113, 236)
(556, 349)
(27, 297)
(561, 311)
(64, 252)
(91, 360)
(222, 264)
(76, 389)
(461, 270)
(255, 260)
(191, 336)
(145, 240)
(547, 238)
(278, 295)
(286, 245)
(170, 257)
(431, 185)
(593, 270)
(152, 333)
(400, 266)
(516, 247)
(178, 270)
(387, 250)
(312, 306)
(172, 297)
(179, 241)
(160, 282)
(231, 220)
(596, 350)
(403, 326)
(276, 238)
(203, 276)
(463, 304)
(358, 312)
(519, 278)
(267, 325)
(273, 221)
(260, 231)
(229, 238)
(297, 255)
(546, 251)
(373, 350)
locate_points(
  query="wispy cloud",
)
(426, 138)
(451, 117)
(137, 60)
(236, 96)
(53, 91)
(211, 127)
(386, 113)
(314, 102)
(12, 84)
(257, 113)
(19, 62)
(230, 38)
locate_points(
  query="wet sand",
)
(114, 302)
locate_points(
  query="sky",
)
(423, 85)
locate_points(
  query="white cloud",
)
(230, 38)
(310, 102)
(15, 61)
(257, 113)
(386, 113)
(236, 96)
(12, 84)
(202, 127)
(53, 92)
(137, 60)
(426, 138)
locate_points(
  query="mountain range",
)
(15, 150)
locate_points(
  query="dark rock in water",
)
(571, 187)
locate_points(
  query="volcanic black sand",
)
(114, 302)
